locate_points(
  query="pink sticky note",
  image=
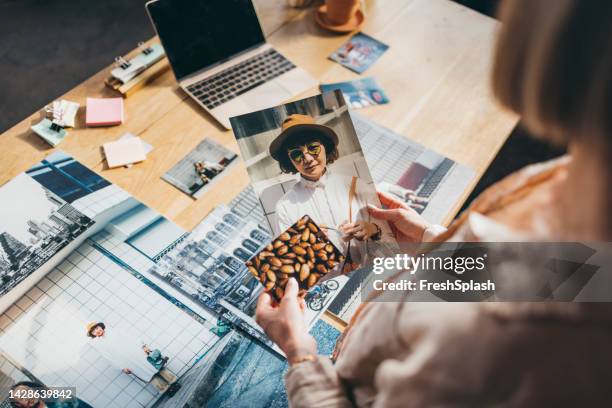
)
(104, 111)
(124, 151)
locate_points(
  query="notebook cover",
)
(104, 111)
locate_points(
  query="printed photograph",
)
(202, 167)
(208, 266)
(304, 158)
(35, 224)
(426, 180)
(302, 251)
(359, 52)
(241, 373)
(96, 320)
(146, 309)
(360, 93)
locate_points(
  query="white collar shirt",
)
(326, 201)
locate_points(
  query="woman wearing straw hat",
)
(308, 148)
(123, 351)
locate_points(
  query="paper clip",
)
(55, 127)
(145, 50)
(122, 62)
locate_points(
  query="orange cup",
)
(340, 11)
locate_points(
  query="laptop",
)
(220, 57)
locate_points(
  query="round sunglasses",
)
(297, 154)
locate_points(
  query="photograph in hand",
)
(302, 251)
(304, 157)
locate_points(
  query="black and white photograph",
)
(35, 224)
(202, 167)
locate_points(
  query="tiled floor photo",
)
(45, 330)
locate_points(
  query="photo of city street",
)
(208, 265)
(35, 224)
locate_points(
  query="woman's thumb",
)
(292, 288)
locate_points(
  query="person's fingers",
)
(264, 303)
(422, 200)
(417, 206)
(389, 201)
(302, 303)
(353, 229)
(291, 289)
(386, 215)
(360, 235)
(344, 227)
(264, 307)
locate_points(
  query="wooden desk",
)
(436, 73)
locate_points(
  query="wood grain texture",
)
(436, 73)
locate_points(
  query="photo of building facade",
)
(42, 236)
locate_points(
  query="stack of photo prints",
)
(102, 293)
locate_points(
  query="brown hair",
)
(284, 162)
(553, 66)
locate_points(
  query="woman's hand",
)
(360, 230)
(406, 223)
(284, 323)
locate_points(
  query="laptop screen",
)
(199, 33)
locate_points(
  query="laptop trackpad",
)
(266, 95)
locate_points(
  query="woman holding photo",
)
(308, 148)
(553, 66)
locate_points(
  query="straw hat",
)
(295, 125)
(90, 326)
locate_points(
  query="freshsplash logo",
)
(456, 264)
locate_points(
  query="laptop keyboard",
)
(238, 79)
(435, 179)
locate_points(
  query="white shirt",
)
(125, 352)
(326, 201)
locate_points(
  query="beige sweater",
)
(469, 354)
(465, 355)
